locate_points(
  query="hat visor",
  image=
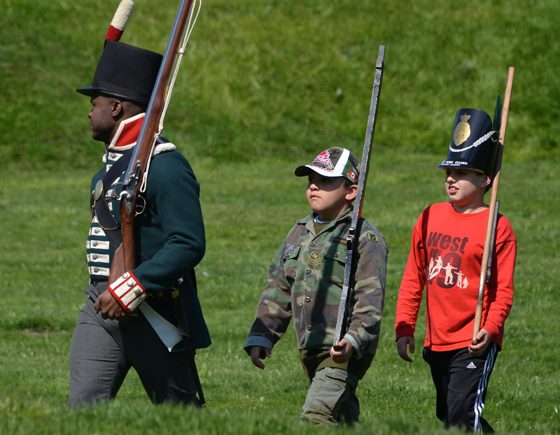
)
(453, 164)
(302, 171)
(462, 165)
(87, 90)
(90, 90)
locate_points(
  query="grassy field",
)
(265, 85)
(248, 208)
(276, 77)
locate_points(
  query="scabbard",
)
(180, 315)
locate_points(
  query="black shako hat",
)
(125, 71)
(473, 144)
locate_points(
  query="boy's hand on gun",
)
(480, 343)
(402, 344)
(259, 353)
(342, 352)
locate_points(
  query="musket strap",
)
(99, 203)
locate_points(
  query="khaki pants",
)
(331, 398)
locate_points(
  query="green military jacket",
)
(305, 283)
(169, 235)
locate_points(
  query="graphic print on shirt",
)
(445, 260)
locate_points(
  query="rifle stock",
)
(492, 212)
(353, 232)
(121, 264)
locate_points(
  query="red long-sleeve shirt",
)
(445, 258)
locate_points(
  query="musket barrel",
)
(155, 111)
(353, 237)
(140, 159)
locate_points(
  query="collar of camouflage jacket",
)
(308, 220)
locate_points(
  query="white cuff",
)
(128, 291)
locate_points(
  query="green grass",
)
(248, 208)
(265, 77)
(264, 86)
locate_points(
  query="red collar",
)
(126, 135)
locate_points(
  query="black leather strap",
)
(100, 207)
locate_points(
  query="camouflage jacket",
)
(305, 282)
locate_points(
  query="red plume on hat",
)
(124, 71)
(119, 21)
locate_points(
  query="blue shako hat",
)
(474, 143)
(125, 71)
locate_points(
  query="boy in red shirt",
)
(445, 259)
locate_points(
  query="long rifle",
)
(353, 233)
(136, 175)
(485, 270)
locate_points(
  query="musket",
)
(489, 241)
(353, 233)
(135, 177)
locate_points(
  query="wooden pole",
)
(492, 215)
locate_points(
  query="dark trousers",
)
(461, 381)
(103, 351)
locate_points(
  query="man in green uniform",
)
(140, 319)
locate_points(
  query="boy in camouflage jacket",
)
(305, 282)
